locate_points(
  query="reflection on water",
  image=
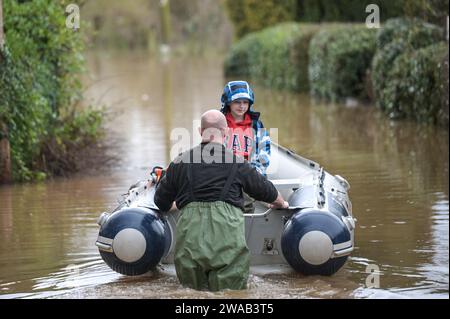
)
(398, 173)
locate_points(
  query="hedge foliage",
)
(401, 38)
(403, 66)
(417, 85)
(276, 56)
(39, 85)
(340, 59)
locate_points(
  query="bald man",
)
(207, 184)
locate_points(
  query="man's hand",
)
(279, 203)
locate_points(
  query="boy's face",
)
(239, 107)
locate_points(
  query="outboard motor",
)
(318, 238)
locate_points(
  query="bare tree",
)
(5, 153)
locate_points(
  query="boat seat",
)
(286, 183)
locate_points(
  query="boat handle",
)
(104, 247)
(267, 212)
(342, 252)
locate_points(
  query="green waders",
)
(211, 251)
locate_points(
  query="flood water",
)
(398, 172)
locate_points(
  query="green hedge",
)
(39, 81)
(417, 85)
(398, 37)
(416, 33)
(299, 56)
(275, 57)
(240, 55)
(340, 59)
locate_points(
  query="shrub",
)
(39, 80)
(417, 84)
(417, 33)
(60, 152)
(239, 57)
(276, 56)
(299, 57)
(340, 58)
(433, 11)
(398, 36)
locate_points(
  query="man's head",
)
(213, 126)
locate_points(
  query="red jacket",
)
(240, 135)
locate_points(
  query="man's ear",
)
(200, 131)
(225, 132)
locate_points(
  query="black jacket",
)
(201, 175)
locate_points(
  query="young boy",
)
(247, 136)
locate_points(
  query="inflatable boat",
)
(314, 236)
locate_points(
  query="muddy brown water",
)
(398, 172)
